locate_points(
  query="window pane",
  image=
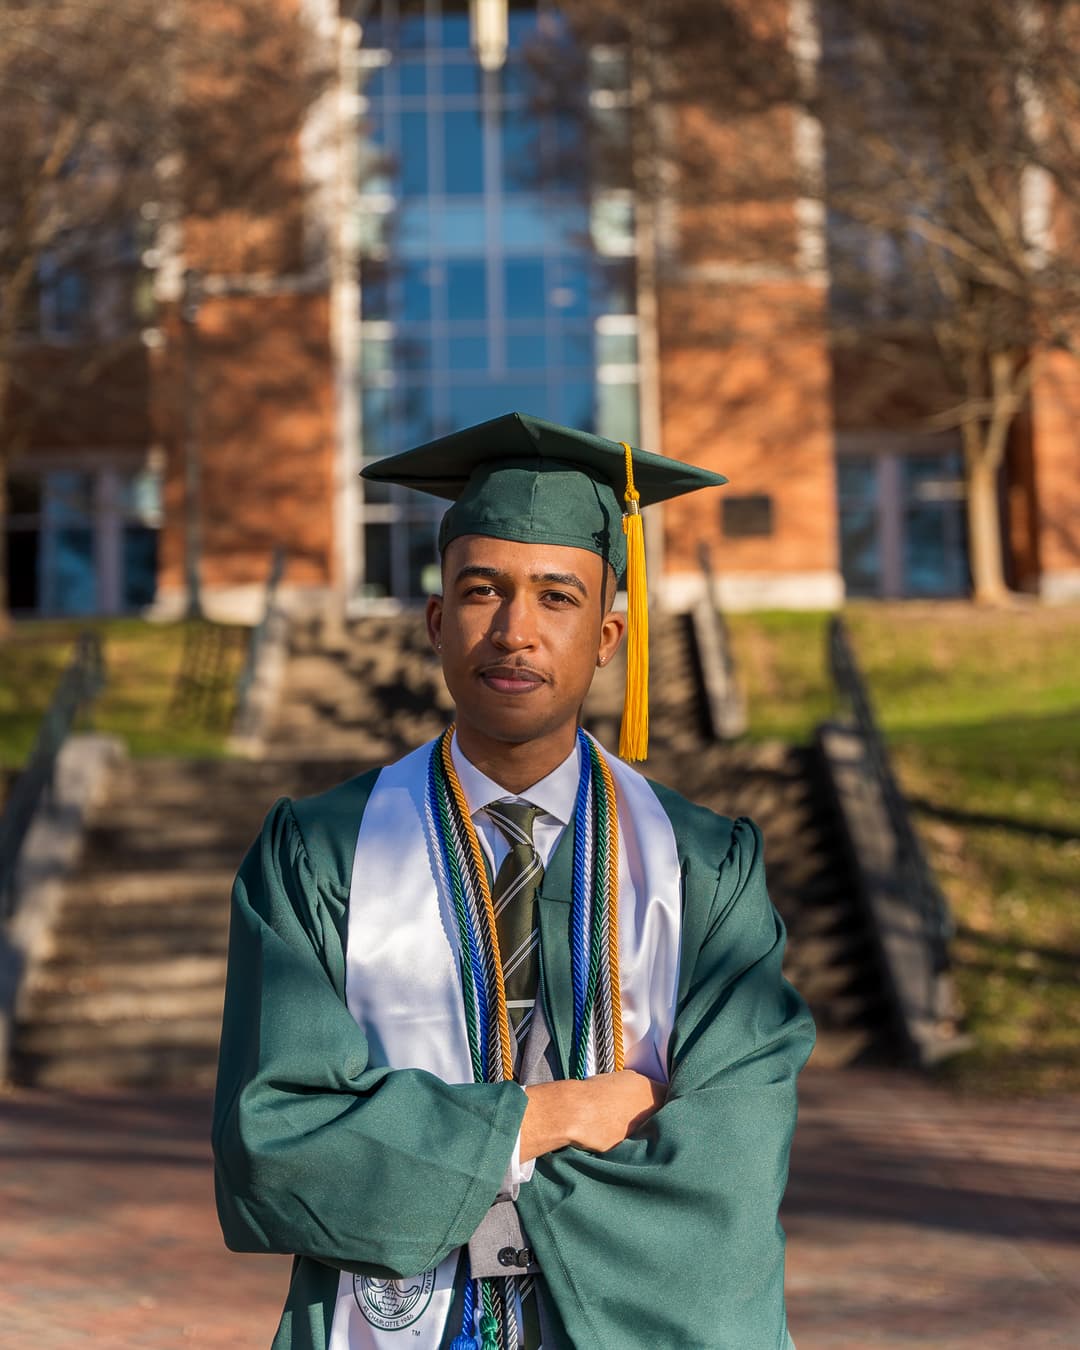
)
(466, 290)
(570, 294)
(480, 402)
(860, 553)
(70, 496)
(140, 547)
(577, 351)
(575, 399)
(616, 348)
(519, 151)
(468, 353)
(526, 351)
(413, 76)
(24, 495)
(464, 151)
(857, 478)
(22, 569)
(376, 560)
(615, 287)
(617, 411)
(416, 285)
(459, 77)
(71, 584)
(414, 154)
(454, 31)
(376, 407)
(525, 292)
(374, 291)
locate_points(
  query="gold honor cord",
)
(485, 896)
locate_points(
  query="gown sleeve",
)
(316, 1152)
(672, 1238)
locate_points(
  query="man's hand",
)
(594, 1113)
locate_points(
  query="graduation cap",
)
(525, 479)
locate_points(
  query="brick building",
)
(426, 277)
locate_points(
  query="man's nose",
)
(513, 628)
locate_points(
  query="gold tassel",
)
(634, 733)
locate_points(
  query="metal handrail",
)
(915, 879)
(259, 634)
(79, 685)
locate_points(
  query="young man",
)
(512, 903)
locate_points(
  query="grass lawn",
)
(982, 710)
(142, 660)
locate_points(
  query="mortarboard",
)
(525, 479)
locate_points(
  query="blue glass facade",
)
(485, 284)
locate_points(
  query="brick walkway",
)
(915, 1219)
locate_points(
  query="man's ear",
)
(612, 631)
(433, 616)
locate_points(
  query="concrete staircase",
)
(131, 994)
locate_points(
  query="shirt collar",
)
(555, 795)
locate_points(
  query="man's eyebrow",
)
(547, 578)
(561, 579)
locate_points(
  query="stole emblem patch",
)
(392, 1305)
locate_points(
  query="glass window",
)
(377, 560)
(575, 399)
(520, 158)
(860, 550)
(462, 226)
(70, 580)
(23, 555)
(935, 527)
(413, 164)
(413, 74)
(70, 496)
(617, 411)
(525, 351)
(460, 78)
(417, 280)
(479, 402)
(418, 416)
(139, 582)
(454, 31)
(463, 150)
(468, 353)
(617, 349)
(577, 351)
(616, 284)
(526, 295)
(374, 290)
(570, 295)
(466, 290)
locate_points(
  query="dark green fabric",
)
(313, 1148)
(671, 1239)
(526, 479)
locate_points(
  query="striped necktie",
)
(514, 899)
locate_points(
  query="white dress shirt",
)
(555, 795)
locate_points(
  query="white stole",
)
(403, 987)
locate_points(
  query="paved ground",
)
(914, 1219)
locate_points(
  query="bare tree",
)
(125, 120)
(938, 147)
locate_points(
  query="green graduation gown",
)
(671, 1239)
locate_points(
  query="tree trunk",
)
(984, 524)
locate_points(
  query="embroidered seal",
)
(392, 1305)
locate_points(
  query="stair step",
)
(159, 1067)
(90, 1009)
(58, 1038)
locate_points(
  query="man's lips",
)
(511, 679)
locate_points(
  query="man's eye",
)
(559, 597)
